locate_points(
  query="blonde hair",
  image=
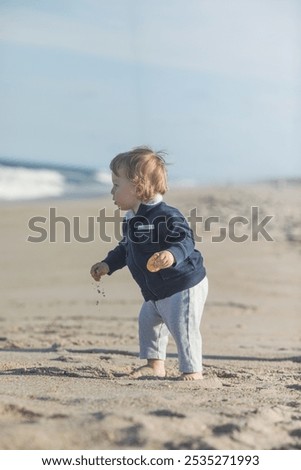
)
(145, 168)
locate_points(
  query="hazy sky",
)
(215, 83)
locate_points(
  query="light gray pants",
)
(180, 314)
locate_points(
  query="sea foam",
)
(29, 181)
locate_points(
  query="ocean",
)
(21, 181)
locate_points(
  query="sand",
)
(67, 346)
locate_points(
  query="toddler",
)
(159, 250)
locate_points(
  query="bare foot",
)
(153, 368)
(192, 376)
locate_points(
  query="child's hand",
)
(98, 270)
(160, 260)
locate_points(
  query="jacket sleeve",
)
(116, 258)
(178, 238)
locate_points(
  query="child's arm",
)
(114, 260)
(178, 238)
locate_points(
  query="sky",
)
(214, 83)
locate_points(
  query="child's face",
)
(124, 193)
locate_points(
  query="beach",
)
(68, 345)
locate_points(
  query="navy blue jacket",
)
(155, 228)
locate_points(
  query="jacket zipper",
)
(142, 272)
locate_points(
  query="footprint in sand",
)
(13, 411)
(206, 382)
(167, 414)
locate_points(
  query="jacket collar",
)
(145, 207)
